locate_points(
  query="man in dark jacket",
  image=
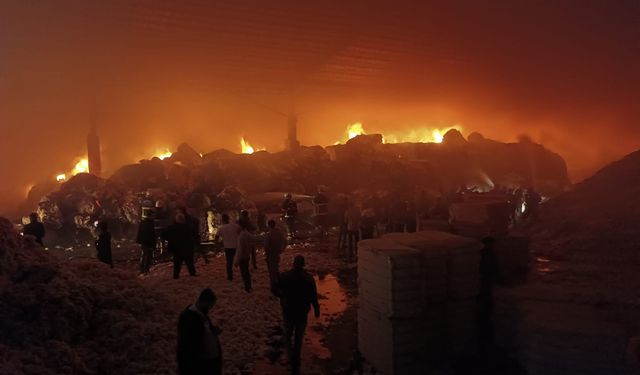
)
(180, 244)
(34, 228)
(194, 229)
(290, 213)
(298, 293)
(199, 351)
(147, 240)
(103, 244)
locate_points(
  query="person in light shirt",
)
(228, 233)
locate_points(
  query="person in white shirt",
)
(246, 246)
(228, 233)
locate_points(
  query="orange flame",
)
(162, 154)
(81, 166)
(355, 130)
(419, 135)
(247, 148)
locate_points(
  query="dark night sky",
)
(154, 73)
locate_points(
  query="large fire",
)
(420, 135)
(355, 130)
(82, 166)
(247, 148)
(162, 153)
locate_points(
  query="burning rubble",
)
(366, 163)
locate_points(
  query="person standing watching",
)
(35, 228)
(103, 244)
(198, 350)
(180, 245)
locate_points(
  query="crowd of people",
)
(199, 350)
(178, 233)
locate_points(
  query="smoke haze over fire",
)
(154, 74)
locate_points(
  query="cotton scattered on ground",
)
(81, 317)
(77, 317)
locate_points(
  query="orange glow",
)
(247, 148)
(61, 177)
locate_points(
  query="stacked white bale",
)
(463, 286)
(452, 282)
(390, 315)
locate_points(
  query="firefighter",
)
(289, 212)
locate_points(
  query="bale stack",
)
(422, 288)
(390, 322)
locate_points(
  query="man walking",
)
(199, 351)
(228, 233)
(180, 244)
(297, 291)
(245, 220)
(274, 244)
(246, 246)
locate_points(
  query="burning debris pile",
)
(222, 180)
(77, 317)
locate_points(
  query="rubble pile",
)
(591, 232)
(77, 317)
(365, 164)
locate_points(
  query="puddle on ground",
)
(544, 266)
(333, 302)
